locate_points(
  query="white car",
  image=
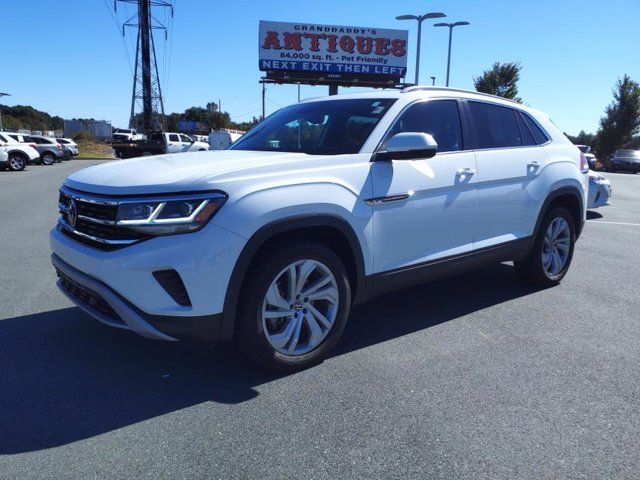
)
(69, 144)
(19, 154)
(125, 134)
(599, 190)
(4, 155)
(326, 203)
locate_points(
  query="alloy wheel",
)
(300, 307)
(16, 163)
(556, 247)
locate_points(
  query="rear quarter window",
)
(539, 135)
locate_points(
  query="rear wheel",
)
(17, 162)
(48, 158)
(294, 306)
(552, 252)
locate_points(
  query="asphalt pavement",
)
(474, 377)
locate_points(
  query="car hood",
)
(183, 172)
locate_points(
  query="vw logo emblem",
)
(72, 213)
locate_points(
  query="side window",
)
(527, 137)
(495, 126)
(186, 139)
(438, 118)
(536, 131)
(174, 138)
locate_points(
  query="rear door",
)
(509, 165)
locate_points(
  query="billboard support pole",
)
(264, 93)
(333, 89)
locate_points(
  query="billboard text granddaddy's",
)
(331, 49)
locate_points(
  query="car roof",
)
(423, 92)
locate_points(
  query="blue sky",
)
(68, 58)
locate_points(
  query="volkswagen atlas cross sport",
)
(324, 204)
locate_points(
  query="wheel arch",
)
(330, 230)
(569, 197)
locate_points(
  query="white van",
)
(222, 139)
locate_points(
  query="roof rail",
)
(418, 88)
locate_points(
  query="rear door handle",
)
(465, 171)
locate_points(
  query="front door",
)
(424, 210)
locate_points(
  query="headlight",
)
(167, 216)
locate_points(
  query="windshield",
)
(330, 127)
(628, 153)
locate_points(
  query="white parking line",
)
(614, 223)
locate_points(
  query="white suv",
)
(19, 153)
(326, 203)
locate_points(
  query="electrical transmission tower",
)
(147, 94)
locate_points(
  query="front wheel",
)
(294, 306)
(552, 252)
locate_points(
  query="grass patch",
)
(94, 149)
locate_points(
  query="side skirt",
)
(405, 277)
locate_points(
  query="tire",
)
(258, 333)
(48, 158)
(541, 266)
(17, 162)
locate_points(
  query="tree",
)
(622, 118)
(501, 80)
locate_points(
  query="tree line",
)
(619, 126)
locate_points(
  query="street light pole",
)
(420, 19)
(3, 95)
(451, 27)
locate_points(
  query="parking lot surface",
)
(471, 377)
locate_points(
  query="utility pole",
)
(219, 114)
(3, 95)
(146, 80)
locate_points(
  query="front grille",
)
(87, 297)
(96, 222)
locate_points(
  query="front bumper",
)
(125, 280)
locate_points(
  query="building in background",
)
(101, 129)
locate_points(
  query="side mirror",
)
(408, 146)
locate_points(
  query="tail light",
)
(584, 164)
(32, 145)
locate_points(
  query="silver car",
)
(599, 190)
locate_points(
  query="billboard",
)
(336, 52)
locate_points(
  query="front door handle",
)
(465, 171)
(534, 164)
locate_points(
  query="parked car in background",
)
(200, 138)
(223, 139)
(624, 161)
(50, 150)
(158, 143)
(124, 134)
(591, 158)
(599, 190)
(20, 154)
(4, 156)
(69, 144)
(329, 202)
